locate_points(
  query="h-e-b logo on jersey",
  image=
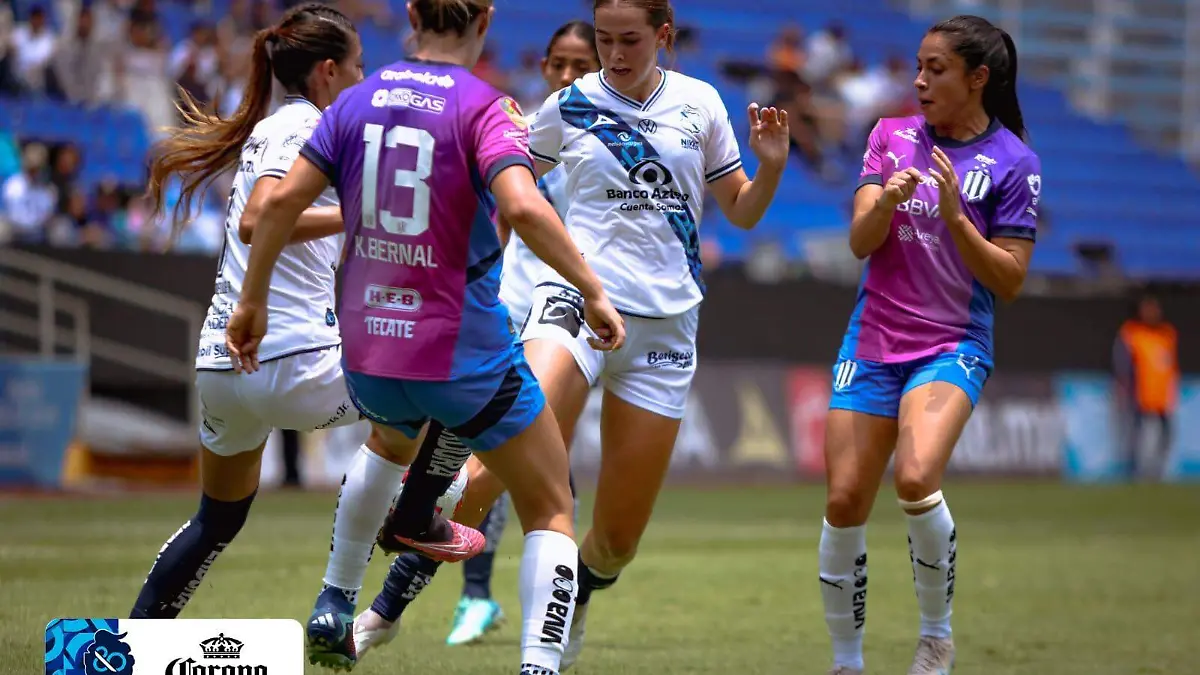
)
(565, 310)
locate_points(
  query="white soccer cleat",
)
(575, 638)
(935, 656)
(371, 631)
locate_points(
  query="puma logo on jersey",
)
(895, 160)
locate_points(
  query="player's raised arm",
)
(742, 200)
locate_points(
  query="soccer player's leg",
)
(517, 438)
(938, 399)
(368, 487)
(410, 573)
(644, 403)
(860, 433)
(232, 436)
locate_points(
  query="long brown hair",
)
(658, 14)
(980, 43)
(205, 145)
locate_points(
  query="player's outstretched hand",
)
(243, 334)
(605, 322)
(949, 204)
(770, 137)
(900, 187)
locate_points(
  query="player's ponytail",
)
(980, 43)
(206, 145)
(1003, 103)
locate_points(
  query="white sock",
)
(932, 546)
(368, 488)
(843, 561)
(549, 586)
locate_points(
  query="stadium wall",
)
(758, 407)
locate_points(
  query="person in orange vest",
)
(1146, 364)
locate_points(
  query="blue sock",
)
(408, 575)
(187, 556)
(477, 571)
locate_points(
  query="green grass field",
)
(1051, 579)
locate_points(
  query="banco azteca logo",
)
(650, 171)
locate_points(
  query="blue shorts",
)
(484, 410)
(876, 388)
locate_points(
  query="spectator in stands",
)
(488, 71)
(142, 72)
(786, 52)
(195, 61)
(82, 61)
(33, 45)
(1146, 365)
(828, 53)
(63, 173)
(29, 197)
(528, 85)
(811, 119)
(8, 84)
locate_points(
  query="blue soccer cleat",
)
(330, 632)
(474, 618)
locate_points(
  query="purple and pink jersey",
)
(917, 297)
(412, 151)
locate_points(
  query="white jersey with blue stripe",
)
(636, 175)
(522, 268)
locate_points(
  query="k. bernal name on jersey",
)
(395, 253)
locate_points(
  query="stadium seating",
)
(1101, 185)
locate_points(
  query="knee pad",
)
(926, 503)
(221, 521)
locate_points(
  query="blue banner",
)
(39, 404)
(1098, 444)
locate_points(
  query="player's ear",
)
(485, 21)
(979, 78)
(413, 20)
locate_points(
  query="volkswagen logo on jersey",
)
(650, 171)
(647, 126)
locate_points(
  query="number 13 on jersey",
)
(415, 179)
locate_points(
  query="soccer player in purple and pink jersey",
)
(946, 214)
(421, 155)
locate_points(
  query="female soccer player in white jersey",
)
(639, 146)
(426, 337)
(946, 214)
(314, 53)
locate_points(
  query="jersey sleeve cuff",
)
(313, 155)
(869, 179)
(542, 158)
(1014, 232)
(505, 162)
(723, 170)
(272, 173)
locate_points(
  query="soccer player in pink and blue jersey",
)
(423, 155)
(946, 216)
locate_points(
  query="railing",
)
(1135, 61)
(49, 275)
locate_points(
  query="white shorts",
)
(304, 392)
(654, 369)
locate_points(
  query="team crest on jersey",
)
(1035, 184)
(976, 185)
(510, 108)
(691, 119)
